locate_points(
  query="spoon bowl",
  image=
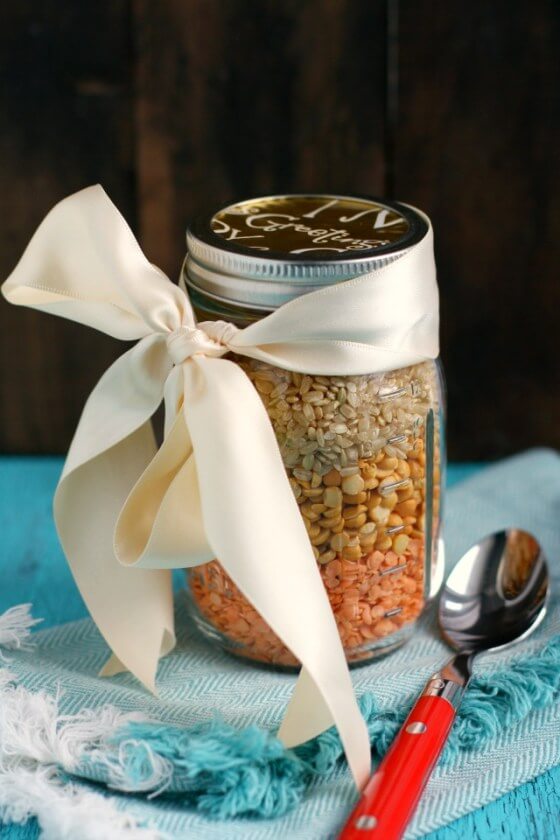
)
(496, 594)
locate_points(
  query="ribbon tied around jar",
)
(127, 512)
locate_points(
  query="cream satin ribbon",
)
(127, 513)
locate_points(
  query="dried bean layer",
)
(354, 450)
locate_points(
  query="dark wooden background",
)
(179, 105)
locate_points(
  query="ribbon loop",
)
(217, 486)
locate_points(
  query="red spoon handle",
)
(391, 795)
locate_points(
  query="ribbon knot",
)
(127, 513)
(222, 332)
(209, 338)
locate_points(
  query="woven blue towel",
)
(197, 681)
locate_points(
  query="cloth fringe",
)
(217, 770)
(493, 703)
(64, 811)
(15, 628)
(37, 743)
(226, 773)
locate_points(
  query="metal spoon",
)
(495, 596)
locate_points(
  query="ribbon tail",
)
(133, 608)
(306, 713)
(239, 466)
(160, 525)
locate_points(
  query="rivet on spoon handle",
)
(391, 795)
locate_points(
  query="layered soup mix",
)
(360, 456)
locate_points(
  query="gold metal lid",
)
(265, 251)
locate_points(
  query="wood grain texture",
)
(477, 148)
(65, 105)
(240, 99)
(182, 105)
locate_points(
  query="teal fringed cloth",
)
(217, 711)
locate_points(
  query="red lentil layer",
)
(361, 593)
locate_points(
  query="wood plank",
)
(241, 99)
(477, 148)
(66, 107)
(529, 812)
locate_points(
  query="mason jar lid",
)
(263, 252)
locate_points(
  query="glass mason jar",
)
(364, 454)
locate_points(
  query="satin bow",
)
(128, 513)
